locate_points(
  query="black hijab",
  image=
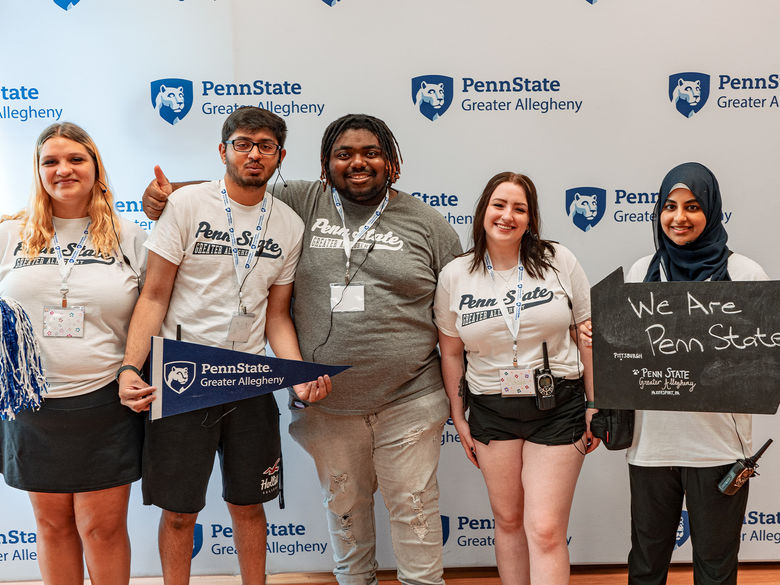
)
(707, 256)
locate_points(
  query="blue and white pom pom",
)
(22, 379)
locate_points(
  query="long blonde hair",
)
(37, 227)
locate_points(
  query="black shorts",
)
(179, 455)
(492, 417)
(76, 444)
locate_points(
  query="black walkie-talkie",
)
(740, 472)
(545, 384)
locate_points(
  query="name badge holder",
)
(513, 380)
(63, 320)
(241, 322)
(351, 296)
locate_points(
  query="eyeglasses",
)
(243, 145)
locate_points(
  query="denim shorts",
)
(492, 417)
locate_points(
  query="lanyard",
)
(348, 245)
(66, 266)
(513, 324)
(241, 271)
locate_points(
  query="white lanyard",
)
(348, 245)
(241, 271)
(66, 266)
(513, 324)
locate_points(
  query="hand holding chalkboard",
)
(695, 346)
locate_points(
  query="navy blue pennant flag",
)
(189, 376)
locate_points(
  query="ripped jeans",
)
(396, 449)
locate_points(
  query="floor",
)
(750, 574)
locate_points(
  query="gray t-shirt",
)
(391, 345)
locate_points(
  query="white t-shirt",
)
(107, 287)
(466, 307)
(193, 234)
(692, 439)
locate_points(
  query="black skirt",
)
(76, 444)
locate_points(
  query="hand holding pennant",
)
(190, 376)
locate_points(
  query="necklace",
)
(509, 274)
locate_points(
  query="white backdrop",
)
(608, 63)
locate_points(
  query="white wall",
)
(96, 61)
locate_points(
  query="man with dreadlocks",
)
(363, 296)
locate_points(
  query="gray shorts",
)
(76, 444)
(179, 455)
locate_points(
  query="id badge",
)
(240, 326)
(516, 382)
(63, 322)
(347, 298)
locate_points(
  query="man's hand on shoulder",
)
(156, 194)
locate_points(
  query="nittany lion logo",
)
(683, 530)
(330, 2)
(66, 4)
(689, 91)
(445, 529)
(591, 1)
(179, 375)
(432, 94)
(172, 98)
(197, 540)
(585, 206)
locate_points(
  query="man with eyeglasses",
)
(364, 297)
(221, 264)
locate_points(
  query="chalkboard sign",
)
(696, 346)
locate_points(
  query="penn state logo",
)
(432, 94)
(172, 98)
(585, 206)
(591, 1)
(683, 530)
(330, 2)
(66, 4)
(197, 540)
(689, 91)
(179, 375)
(445, 529)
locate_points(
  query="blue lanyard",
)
(348, 245)
(66, 266)
(241, 271)
(513, 324)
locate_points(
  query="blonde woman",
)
(76, 268)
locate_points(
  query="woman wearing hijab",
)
(676, 454)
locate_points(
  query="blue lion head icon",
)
(591, 1)
(197, 540)
(689, 91)
(330, 2)
(445, 529)
(179, 375)
(683, 530)
(585, 206)
(172, 98)
(432, 94)
(66, 4)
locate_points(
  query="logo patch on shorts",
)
(271, 481)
